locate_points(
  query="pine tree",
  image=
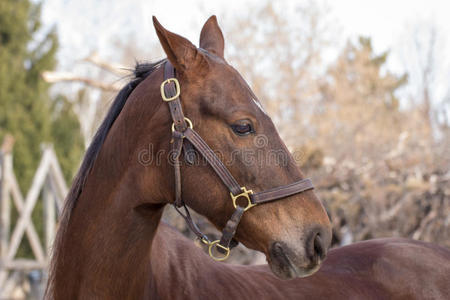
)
(66, 136)
(359, 95)
(26, 109)
(24, 101)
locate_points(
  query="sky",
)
(392, 24)
(88, 25)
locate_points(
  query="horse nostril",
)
(277, 252)
(317, 248)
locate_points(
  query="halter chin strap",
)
(185, 137)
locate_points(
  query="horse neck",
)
(180, 268)
(105, 248)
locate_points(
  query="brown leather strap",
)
(213, 160)
(230, 228)
(231, 183)
(175, 105)
(282, 191)
(189, 152)
(177, 144)
(192, 226)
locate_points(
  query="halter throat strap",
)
(185, 137)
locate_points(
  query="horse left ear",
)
(181, 52)
(211, 37)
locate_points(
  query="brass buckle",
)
(246, 194)
(177, 87)
(189, 122)
(216, 244)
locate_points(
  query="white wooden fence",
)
(48, 184)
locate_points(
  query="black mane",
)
(140, 72)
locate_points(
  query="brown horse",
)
(374, 269)
(102, 249)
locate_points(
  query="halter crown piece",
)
(185, 137)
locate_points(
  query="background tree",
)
(24, 101)
(26, 109)
(359, 95)
(379, 174)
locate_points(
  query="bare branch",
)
(115, 69)
(53, 77)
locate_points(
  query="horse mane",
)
(140, 72)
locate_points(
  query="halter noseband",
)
(182, 129)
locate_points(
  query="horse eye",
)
(242, 129)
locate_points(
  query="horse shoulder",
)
(407, 269)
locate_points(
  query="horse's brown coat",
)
(374, 269)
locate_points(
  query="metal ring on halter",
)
(216, 244)
(177, 88)
(246, 194)
(189, 122)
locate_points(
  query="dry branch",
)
(115, 69)
(53, 77)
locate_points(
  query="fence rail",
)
(48, 185)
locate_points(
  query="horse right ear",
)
(180, 51)
(211, 37)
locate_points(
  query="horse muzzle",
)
(301, 260)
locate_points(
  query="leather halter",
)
(184, 137)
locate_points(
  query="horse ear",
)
(180, 51)
(211, 37)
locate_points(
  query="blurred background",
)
(365, 107)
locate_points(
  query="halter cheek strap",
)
(185, 137)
